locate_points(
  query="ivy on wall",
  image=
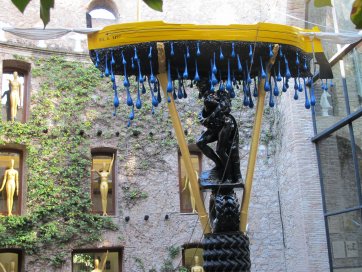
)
(58, 160)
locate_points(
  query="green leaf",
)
(322, 3)
(154, 4)
(21, 4)
(45, 6)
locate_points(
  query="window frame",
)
(189, 246)
(194, 150)
(117, 249)
(20, 177)
(22, 67)
(105, 151)
(17, 251)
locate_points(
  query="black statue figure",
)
(220, 126)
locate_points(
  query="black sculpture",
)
(220, 126)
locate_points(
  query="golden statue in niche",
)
(197, 267)
(11, 181)
(104, 174)
(96, 264)
(15, 94)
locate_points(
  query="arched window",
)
(11, 259)
(101, 13)
(189, 251)
(184, 185)
(103, 181)
(11, 176)
(15, 90)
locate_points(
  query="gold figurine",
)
(197, 267)
(96, 264)
(104, 174)
(15, 94)
(11, 181)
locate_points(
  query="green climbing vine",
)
(58, 203)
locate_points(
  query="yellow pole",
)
(162, 77)
(254, 144)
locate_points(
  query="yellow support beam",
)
(158, 31)
(162, 77)
(254, 144)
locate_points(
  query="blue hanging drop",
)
(307, 103)
(126, 81)
(246, 97)
(240, 67)
(284, 88)
(113, 62)
(233, 50)
(262, 72)
(229, 86)
(129, 98)
(138, 101)
(113, 79)
(172, 53)
(198, 53)
(214, 69)
(271, 100)
(143, 88)
(276, 90)
(124, 62)
(97, 60)
(153, 98)
(305, 67)
(197, 77)
(185, 74)
(128, 123)
(115, 99)
(251, 103)
(168, 98)
(169, 84)
(250, 51)
(300, 88)
(153, 110)
(135, 57)
(140, 77)
(150, 53)
(131, 115)
(187, 52)
(270, 51)
(287, 71)
(248, 73)
(221, 54)
(279, 77)
(232, 93)
(106, 71)
(255, 93)
(267, 85)
(295, 89)
(312, 96)
(297, 59)
(280, 51)
(180, 95)
(132, 63)
(152, 77)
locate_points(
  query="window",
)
(11, 181)
(89, 259)
(103, 181)
(185, 194)
(15, 90)
(189, 251)
(101, 13)
(10, 260)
